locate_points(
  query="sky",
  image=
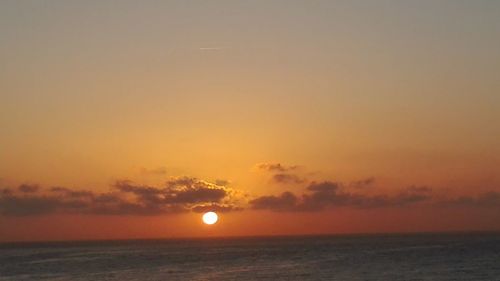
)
(129, 119)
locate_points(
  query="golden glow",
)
(210, 218)
(211, 97)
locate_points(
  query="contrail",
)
(211, 48)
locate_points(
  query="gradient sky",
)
(384, 116)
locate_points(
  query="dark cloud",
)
(144, 194)
(488, 199)
(5, 191)
(286, 178)
(220, 208)
(126, 198)
(367, 182)
(405, 197)
(183, 190)
(27, 205)
(63, 191)
(28, 188)
(483, 200)
(287, 201)
(282, 174)
(322, 195)
(186, 194)
(275, 167)
(191, 190)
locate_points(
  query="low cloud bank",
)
(177, 195)
(322, 195)
(187, 194)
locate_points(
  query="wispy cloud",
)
(282, 174)
(287, 178)
(363, 183)
(275, 167)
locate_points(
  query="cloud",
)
(5, 191)
(323, 195)
(177, 195)
(71, 193)
(287, 201)
(21, 206)
(483, 200)
(28, 188)
(220, 208)
(281, 174)
(188, 194)
(275, 167)
(362, 183)
(191, 190)
(143, 194)
(287, 178)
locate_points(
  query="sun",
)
(210, 218)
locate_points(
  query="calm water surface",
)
(362, 257)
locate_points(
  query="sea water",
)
(350, 257)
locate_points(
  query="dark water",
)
(375, 257)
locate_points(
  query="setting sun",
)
(338, 140)
(210, 218)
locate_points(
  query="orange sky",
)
(383, 117)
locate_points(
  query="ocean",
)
(347, 257)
